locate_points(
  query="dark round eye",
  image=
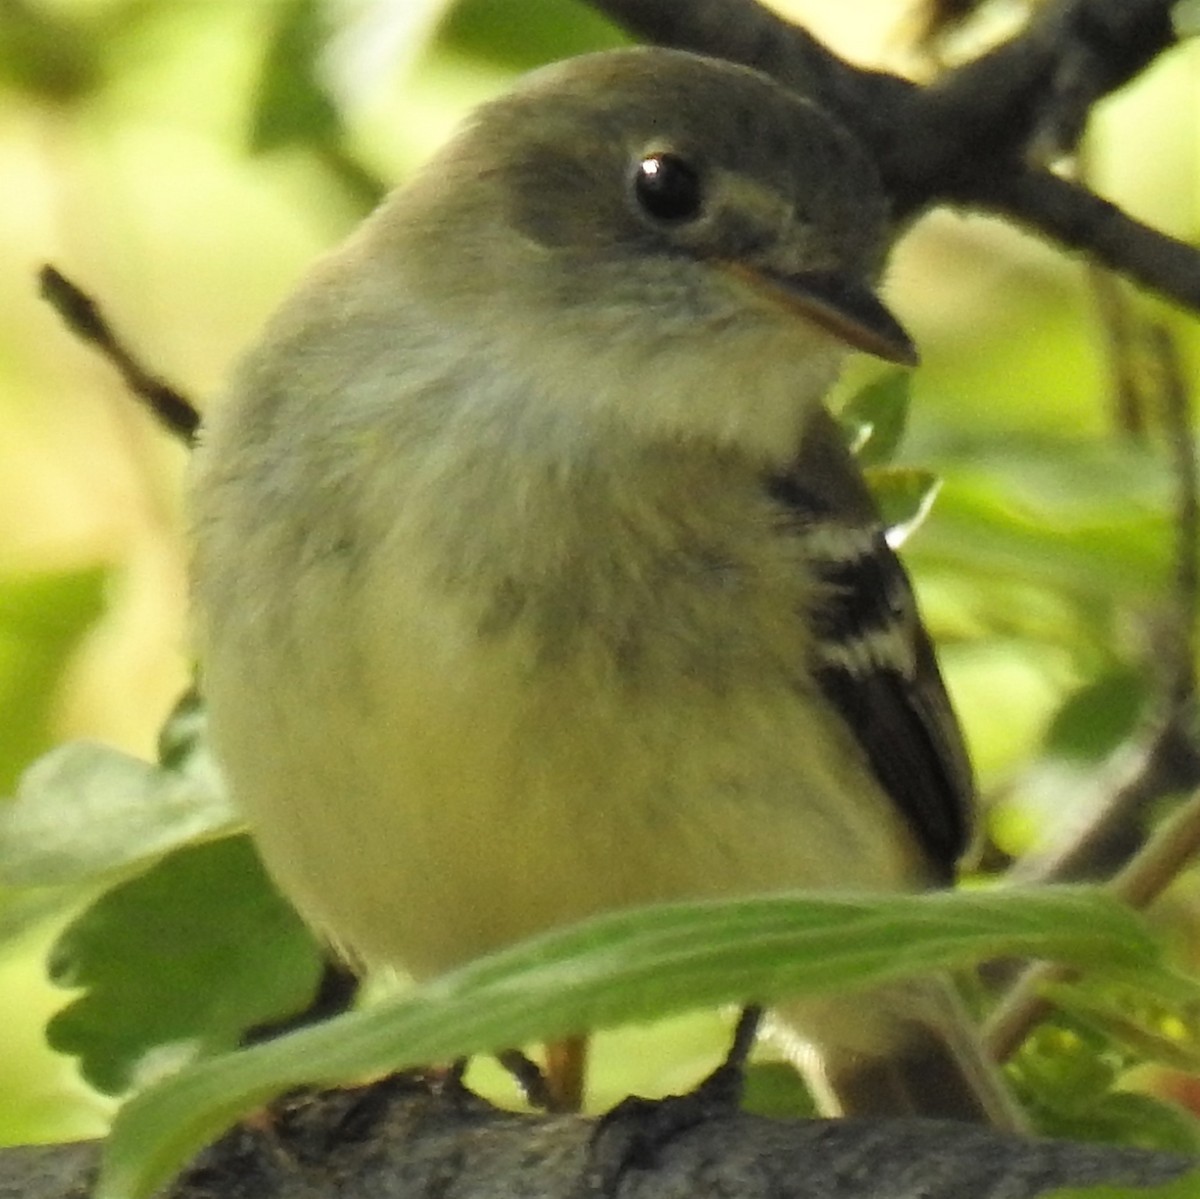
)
(668, 188)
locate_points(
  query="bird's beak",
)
(840, 306)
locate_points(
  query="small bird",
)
(533, 580)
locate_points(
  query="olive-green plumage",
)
(531, 578)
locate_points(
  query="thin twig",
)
(530, 1077)
(1141, 882)
(1164, 763)
(1120, 330)
(81, 314)
(1178, 427)
(1113, 310)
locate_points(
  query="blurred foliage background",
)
(184, 161)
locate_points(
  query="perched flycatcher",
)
(533, 580)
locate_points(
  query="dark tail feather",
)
(908, 1050)
(921, 1077)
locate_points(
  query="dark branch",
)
(1120, 330)
(1036, 89)
(1139, 883)
(388, 1140)
(744, 31)
(1177, 419)
(83, 317)
(971, 139)
(1080, 220)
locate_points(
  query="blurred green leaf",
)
(1186, 1187)
(183, 958)
(880, 411)
(979, 532)
(1128, 1118)
(291, 105)
(1142, 1031)
(51, 55)
(904, 495)
(24, 909)
(85, 811)
(1064, 481)
(624, 967)
(293, 108)
(1068, 1076)
(1100, 715)
(43, 619)
(520, 34)
(87, 815)
(1089, 520)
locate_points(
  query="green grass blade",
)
(622, 968)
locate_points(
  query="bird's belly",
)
(447, 797)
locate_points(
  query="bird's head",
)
(676, 242)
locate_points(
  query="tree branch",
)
(1080, 220)
(972, 138)
(1036, 89)
(1141, 881)
(395, 1139)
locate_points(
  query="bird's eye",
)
(668, 188)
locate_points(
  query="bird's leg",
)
(566, 1065)
(559, 1086)
(529, 1076)
(725, 1084)
(634, 1133)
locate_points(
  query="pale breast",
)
(457, 752)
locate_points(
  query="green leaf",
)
(1138, 1121)
(1146, 1031)
(880, 412)
(28, 908)
(86, 811)
(184, 958)
(43, 618)
(520, 34)
(1095, 719)
(904, 495)
(1069, 1074)
(86, 816)
(980, 532)
(50, 55)
(1090, 522)
(292, 105)
(1186, 1187)
(624, 967)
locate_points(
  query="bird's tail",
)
(909, 1049)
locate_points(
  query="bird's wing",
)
(872, 657)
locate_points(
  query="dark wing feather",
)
(873, 658)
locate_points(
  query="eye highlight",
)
(668, 188)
